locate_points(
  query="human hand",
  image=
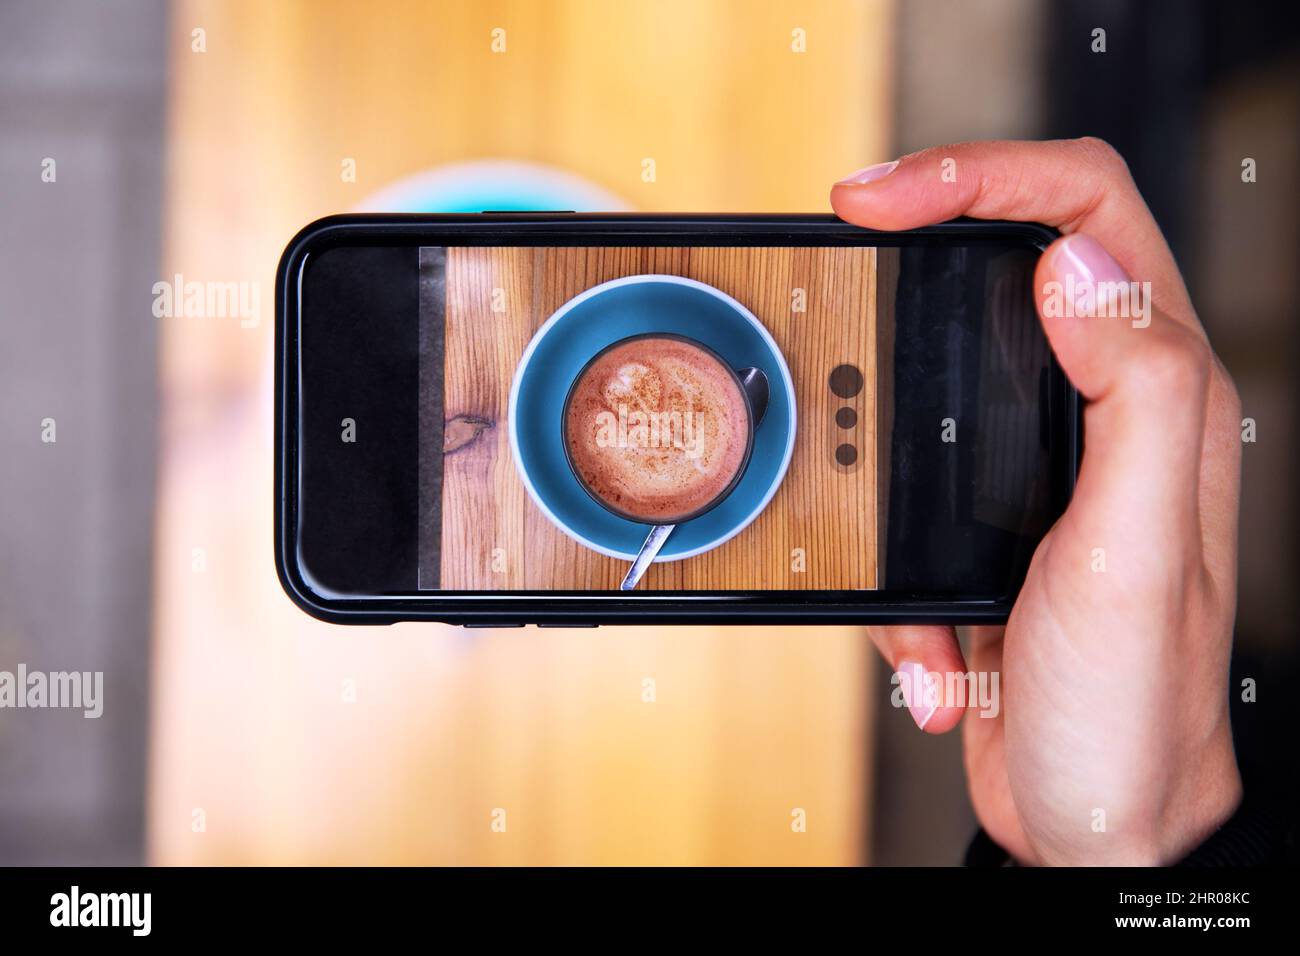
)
(1114, 682)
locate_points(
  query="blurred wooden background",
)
(279, 739)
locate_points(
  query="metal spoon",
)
(754, 382)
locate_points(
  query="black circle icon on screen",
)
(846, 380)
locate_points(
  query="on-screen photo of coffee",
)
(718, 418)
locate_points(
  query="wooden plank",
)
(887, 266)
(819, 529)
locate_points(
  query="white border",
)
(636, 280)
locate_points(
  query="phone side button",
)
(568, 625)
(491, 625)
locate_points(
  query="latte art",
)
(657, 428)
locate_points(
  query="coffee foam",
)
(657, 428)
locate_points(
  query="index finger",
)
(1080, 185)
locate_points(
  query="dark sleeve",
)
(1253, 836)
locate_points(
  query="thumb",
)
(923, 656)
(1143, 374)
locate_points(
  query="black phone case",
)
(590, 609)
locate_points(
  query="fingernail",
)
(1087, 260)
(911, 678)
(870, 174)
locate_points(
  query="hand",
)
(1114, 681)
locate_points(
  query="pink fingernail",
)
(870, 174)
(911, 678)
(1087, 260)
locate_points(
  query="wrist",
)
(1203, 804)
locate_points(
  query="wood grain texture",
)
(887, 266)
(819, 531)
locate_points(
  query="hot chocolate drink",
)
(657, 428)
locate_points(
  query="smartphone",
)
(503, 419)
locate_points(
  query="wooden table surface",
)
(819, 531)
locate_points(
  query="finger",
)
(1071, 185)
(984, 660)
(1221, 478)
(984, 746)
(1146, 378)
(921, 656)
(985, 654)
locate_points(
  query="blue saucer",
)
(582, 327)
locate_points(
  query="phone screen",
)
(821, 418)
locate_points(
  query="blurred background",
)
(144, 141)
